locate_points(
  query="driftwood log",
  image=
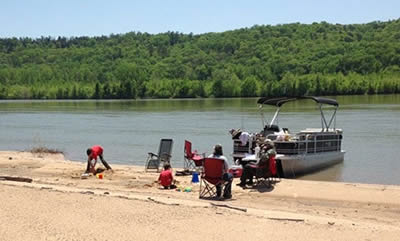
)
(288, 219)
(164, 203)
(228, 206)
(16, 179)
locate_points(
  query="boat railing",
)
(306, 143)
(240, 150)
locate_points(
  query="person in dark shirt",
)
(264, 159)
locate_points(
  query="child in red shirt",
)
(166, 178)
(93, 153)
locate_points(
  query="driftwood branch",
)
(16, 179)
(164, 203)
(288, 219)
(227, 206)
(87, 192)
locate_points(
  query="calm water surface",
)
(129, 129)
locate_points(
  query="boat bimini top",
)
(279, 101)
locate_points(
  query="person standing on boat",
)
(226, 176)
(93, 153)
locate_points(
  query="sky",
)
(36, 18)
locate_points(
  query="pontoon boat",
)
(300, 153)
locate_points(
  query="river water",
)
(128, 130)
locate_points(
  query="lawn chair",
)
(191, 160)
(164, 155)
(211, 176)
(265, 173)
(262, 177)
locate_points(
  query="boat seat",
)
(270, 129)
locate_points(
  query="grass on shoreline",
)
(45, 150)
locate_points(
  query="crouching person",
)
(93, 153)
(166, 178)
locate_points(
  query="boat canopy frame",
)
(279, 101)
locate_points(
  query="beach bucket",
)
(100, 175)
(195, 177)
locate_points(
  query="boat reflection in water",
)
(299, 153)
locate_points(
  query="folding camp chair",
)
(191, 159)
(164, 155)
(264, 174)
(211, 176)
(263, 177)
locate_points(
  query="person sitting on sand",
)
(264, 161)
(166, 179)
(93, 153)
(226, 176)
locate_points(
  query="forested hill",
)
(290, 59)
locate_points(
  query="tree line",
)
(263, 60)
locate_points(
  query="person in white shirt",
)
(226, 176)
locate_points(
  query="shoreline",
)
(288, 209)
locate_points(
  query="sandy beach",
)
(128, 204)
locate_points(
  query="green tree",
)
(249, 87)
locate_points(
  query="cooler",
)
(236, 171)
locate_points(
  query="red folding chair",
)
(191, 159)
(265, 173)
(211, 176)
